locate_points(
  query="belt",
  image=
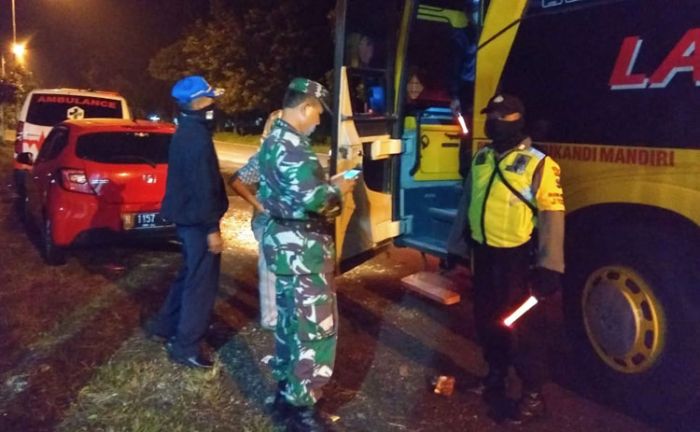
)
(320, 226)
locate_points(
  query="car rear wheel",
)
(53, 255)
(23, 210)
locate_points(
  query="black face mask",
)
(504, 134)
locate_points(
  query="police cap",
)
(504, 104)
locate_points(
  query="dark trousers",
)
(185, 313)
(500, 285)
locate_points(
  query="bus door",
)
(394, 121)
(438, 73)
(363, 134)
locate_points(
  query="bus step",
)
(432, 285)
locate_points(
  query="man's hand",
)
(545, 282)
(345, 185)
(259, 207)
(215, 242)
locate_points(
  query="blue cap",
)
(193, 87)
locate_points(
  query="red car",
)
(97, 176)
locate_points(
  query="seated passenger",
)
(422, 93)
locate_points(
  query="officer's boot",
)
(530, 407)
(492, 387)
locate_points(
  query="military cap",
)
(312, 88)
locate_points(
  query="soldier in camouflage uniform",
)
(299, 249)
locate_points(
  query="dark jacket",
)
(195, 192)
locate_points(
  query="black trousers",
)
(187, 309)
(500, 285)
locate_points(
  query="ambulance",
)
(44, 108)
(611, 90)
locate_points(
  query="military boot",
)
(277, 405)
(308, 419)
(531, 407)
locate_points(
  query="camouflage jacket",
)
(299, 199)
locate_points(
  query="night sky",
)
(64, 35)
(66, 39)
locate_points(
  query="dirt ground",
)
(73, 357)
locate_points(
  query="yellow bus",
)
(612, 92)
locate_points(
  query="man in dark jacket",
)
(195, 200)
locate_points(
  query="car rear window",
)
(50, 109)
(124, 147)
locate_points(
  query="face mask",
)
(504, 134)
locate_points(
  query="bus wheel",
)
(632, 315)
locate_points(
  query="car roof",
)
(119, 125)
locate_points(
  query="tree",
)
(252, 50)
(7, 91)
(16, 84)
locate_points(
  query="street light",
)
(19, 50)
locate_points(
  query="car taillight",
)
(18, 137)
(75, 180)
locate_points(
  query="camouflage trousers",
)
(305, 336)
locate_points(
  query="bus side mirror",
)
(25, 158)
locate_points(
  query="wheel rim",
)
(624, 321)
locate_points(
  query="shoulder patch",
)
(519, 164)
(481, 155)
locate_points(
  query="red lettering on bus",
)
(622, 76)
(684, 57)
(618, 155)
(607, 154)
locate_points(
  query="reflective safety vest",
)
(497, 216)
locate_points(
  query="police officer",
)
(514, 200)
(195, 200)
(299, 249)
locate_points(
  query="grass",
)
(140, 390)
(319, 144)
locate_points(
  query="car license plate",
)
(149, 220)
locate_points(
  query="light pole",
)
(14, 25)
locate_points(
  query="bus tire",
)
(631, 309)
